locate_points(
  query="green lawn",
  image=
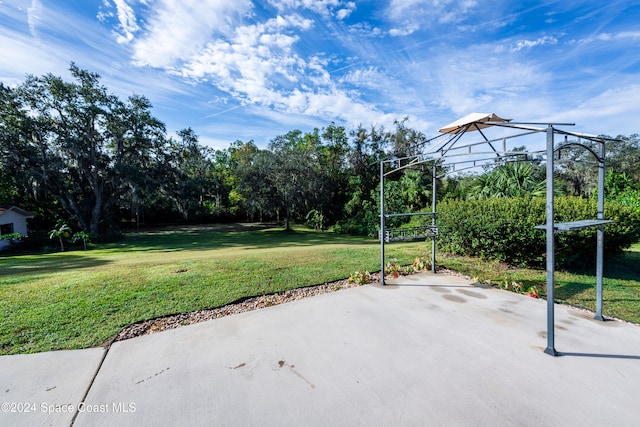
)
(80, 299)
(621, 283)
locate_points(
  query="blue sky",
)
(252, 70)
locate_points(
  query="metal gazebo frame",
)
(461, 156)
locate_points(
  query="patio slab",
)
(45, 389)
(424, 350)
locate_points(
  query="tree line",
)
(72, 151)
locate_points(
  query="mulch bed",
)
(249, 304)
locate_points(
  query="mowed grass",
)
(79, 299)
(620, 290)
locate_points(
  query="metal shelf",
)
(575, 225)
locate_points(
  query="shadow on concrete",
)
(599, 356)
(419, 285)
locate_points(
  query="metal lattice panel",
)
(409, 233)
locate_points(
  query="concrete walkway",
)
(425, 350)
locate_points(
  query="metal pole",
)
(550, 246)
(434, 194)
(600, 232)
(382, 236)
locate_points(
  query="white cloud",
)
(326, 8)
(34, 16)
(364, 29)
(458, 12)
(399, 32)
(527, 91)
(610, 37)
(607, 113)
(370, 77)
(62, 37)
(466, 84)
(178, 29)
(20, 57)
(252, 56)
(398, 9)
(346, 11)
(127, 18)
(525, 44)
(415, 13)
(260, 67)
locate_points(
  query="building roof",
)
(4, 209)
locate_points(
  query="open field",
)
(80, 299)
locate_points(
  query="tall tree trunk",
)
(287, 222)
(96, 213)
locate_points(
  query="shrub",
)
(629, 198)
(502, 229)
(315, 220)
(392, 269)
(420, 264)
(13, 239)
(364, 222)
(360, 278)
(36, 241)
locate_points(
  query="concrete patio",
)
(423, 350)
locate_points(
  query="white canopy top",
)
(475, 119)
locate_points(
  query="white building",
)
(12, 220)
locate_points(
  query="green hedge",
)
(502, 229)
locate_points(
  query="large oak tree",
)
(85, 147)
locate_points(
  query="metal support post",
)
(381, 222)
(434, 194)
(600, 232)
(550, 246)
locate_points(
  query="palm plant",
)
(81, 235)
(513, 179)
(61, 230)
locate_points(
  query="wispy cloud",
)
(337, 8)
(526, 44)
(365, 29)
(249, 68)
(614, 107)
(408, 16)
(464, 85)
(60, 37)
(457, 11)
(261, 65)
(34, 16)
(610, 37)
(20, 57)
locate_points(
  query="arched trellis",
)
(458, 156)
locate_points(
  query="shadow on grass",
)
(623, 267)
(626, 267)
(568, 290)
(255, 239)
(46, 265)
